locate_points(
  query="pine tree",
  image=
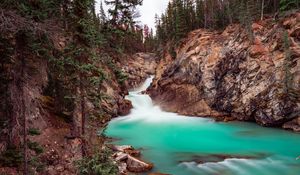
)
(289, 4)
(102, 15)
(199, 13)
(123, 11)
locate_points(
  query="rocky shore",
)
(128, 160)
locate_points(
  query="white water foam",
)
(235, 165)
(144, 109)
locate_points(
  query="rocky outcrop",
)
(138, 67)
(127, 159)
(235, 73)
(124, 107)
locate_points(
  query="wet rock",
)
(293, 125)
(137, 166)
(214, 158)
(124, 107)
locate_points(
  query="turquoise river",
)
(181, 145)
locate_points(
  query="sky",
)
(147, 10)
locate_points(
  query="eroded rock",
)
(228, 74)
(124, 107)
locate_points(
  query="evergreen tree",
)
(102, 15)
(289, 4)
(122, 11)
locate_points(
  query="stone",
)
(120, 156)
(124, 107)
(137, 166)
(122, 168)
(256, 26)
(59, 168)
(51, 170)
(293, 125)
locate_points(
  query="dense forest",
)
(183, 16)
(59, 56)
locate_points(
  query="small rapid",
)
(181, 145)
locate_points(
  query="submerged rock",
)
(229, 74)
(214, 158)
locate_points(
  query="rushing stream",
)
(181, 145)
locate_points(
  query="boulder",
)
(293, 125)
(124, 107)
(137, 166)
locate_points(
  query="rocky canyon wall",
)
(249, 75)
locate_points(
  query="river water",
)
(181, 145)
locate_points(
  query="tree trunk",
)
(21, 42)
(83, 117)
(205, 14)
(262, 9)
(65, 13)
(228, 12)
(23, 115)
(115, 15)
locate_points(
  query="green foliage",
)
(11, 158)
(98, 164)
(37, 164)
(34, 131)
(289, 4)
(120, 75)
(38, 10)
(183, 16)
(247, 10)
(123, 11)
(35, 147)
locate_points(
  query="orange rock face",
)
(233, 74)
